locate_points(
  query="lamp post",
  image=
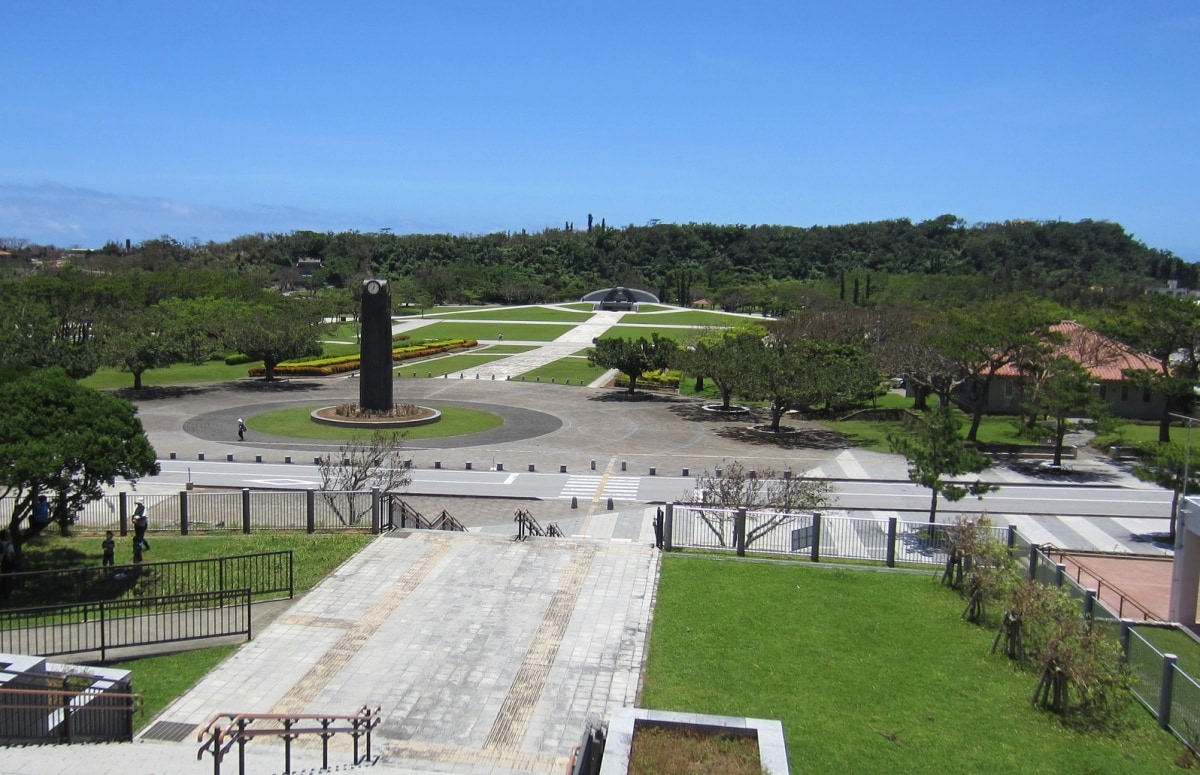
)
(1187, 465)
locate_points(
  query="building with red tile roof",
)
(1106, 360)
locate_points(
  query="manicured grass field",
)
(295, 423)
(180, 374)
(642, 332)
(694, 317)
(572, 368)
(517, 332)
(530, 314)
(869, 672)
(445, 365)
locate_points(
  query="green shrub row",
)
(325, 367)
(665, 379)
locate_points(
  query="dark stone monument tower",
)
(375, 376)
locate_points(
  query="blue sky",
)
(210, 120)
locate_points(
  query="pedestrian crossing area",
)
(599, 486)
(1093, 534)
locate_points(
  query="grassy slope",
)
(868, 672)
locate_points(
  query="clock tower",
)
(375, 375)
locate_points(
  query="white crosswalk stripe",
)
(1099, 539)
(586, 485)
(1031, 529)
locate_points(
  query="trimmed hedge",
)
(667, 379)
(327, 367)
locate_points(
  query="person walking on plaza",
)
(140, 523)
(110, 549)
(241, 430)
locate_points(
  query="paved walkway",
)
(578, 338)
(485, 655)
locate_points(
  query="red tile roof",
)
(1103, 357)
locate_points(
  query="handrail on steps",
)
(221, 736)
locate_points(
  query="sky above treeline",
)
(133, 120)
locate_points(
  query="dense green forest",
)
(770, 268)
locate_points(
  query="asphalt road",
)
(586, 485)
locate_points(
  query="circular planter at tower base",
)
(327, 415)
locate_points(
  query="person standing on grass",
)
(110, 549)
(140, 523)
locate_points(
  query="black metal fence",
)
(233, 511)
(824, 536)
(113, 624)
(268, 576)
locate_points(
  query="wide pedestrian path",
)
(484, 654)
(578, 338)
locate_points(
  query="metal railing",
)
(63, 715)
(268, 576)
(224, 730)
(404, 517)
(233, 510)
(113, 624)
(1045, 567)
(1170, 694)
(528, 527)
(822, 536)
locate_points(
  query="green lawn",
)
(1172, 641)
(438, 366)
(573, 368)
(213, 371)
(869, 672)
(530, 314)
(163, 678)
(294, 423)
(314, 555)
(434, 312)
(517, 332)
(642, 332)
(694, 317)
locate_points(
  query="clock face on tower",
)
(373, 287)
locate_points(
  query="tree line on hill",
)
(767, 268)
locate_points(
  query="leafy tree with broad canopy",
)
(721, 355)
(935, 450)
(1059, 388)
(66, 442)
(796, 374)
(275, 331)
(1169, 330)
(983, 338)
(632, 357)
